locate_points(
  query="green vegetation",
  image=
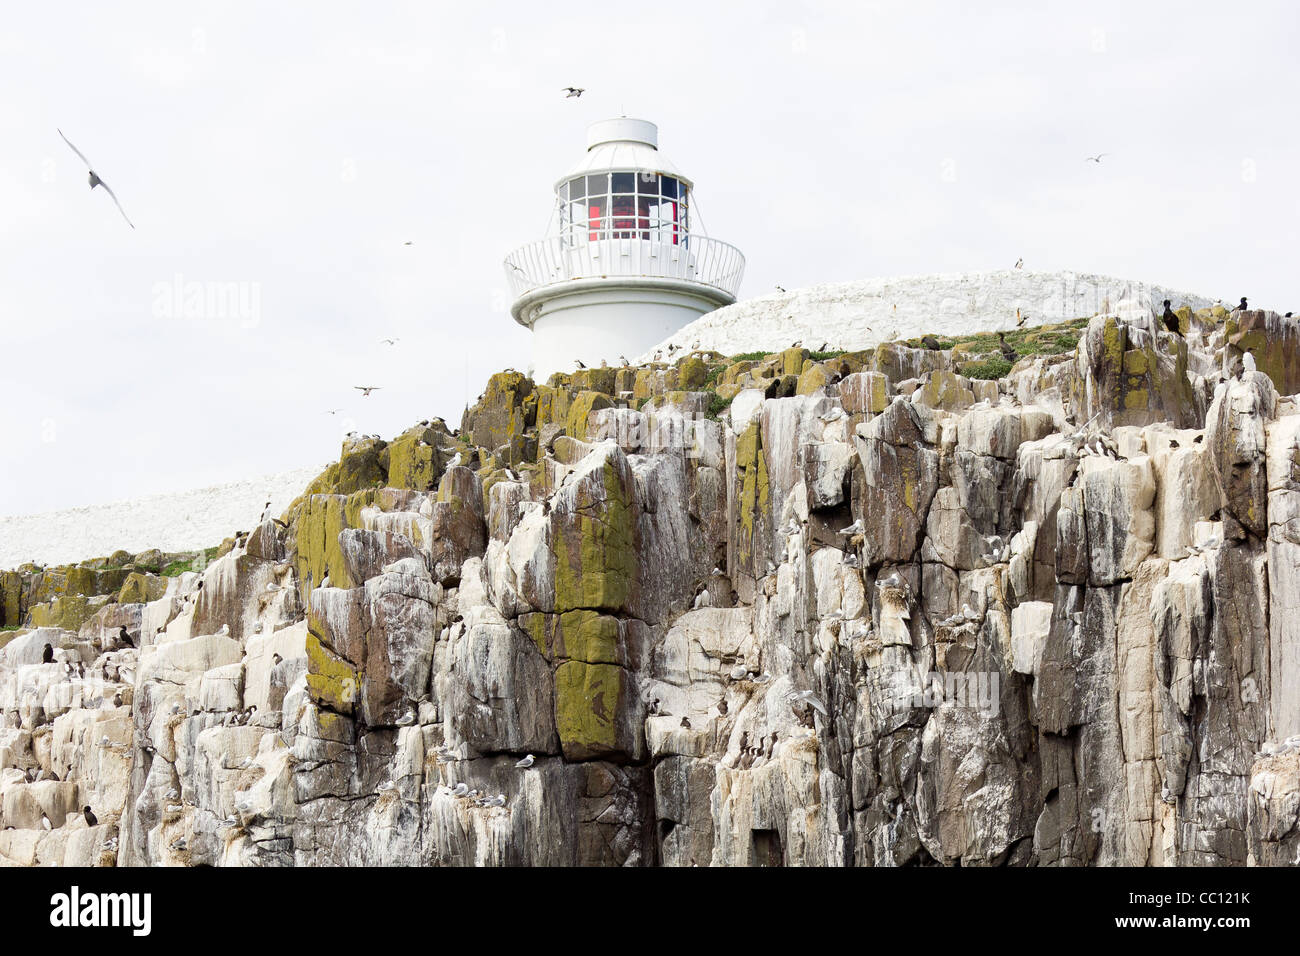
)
(989, 368)
(196, 563)
(10, 627)
(750, 357)
(717, 405)
(823, 356)
(1038, 340)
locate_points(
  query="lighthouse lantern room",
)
(625, 269)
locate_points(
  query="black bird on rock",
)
(47, 655)
(124, 638)
(1170, 320)
(1008, 352)
(1243, 307)
(931, 343)
(91, 819)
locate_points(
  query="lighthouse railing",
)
(694, 258)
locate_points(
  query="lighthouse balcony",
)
(691, 259)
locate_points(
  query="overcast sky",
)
(295, 148)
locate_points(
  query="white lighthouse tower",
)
(626, 269)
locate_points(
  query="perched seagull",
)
(365, 390)
(460, 789)
(572, 91)
(406, 719)
(1095, 159)
(856, 528)
(526, 762)
(95, 180)
(739, 672)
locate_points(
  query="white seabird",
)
(526, 762)
(808, 697)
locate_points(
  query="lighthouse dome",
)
(622, 145)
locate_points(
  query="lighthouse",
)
(627, 266)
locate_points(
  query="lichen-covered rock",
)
(900, 475)
(459, 529)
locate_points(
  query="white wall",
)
(602, 324)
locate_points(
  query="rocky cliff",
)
(901, 606)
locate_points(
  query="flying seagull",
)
(94, 178)
(365, 390)
(390, 341)
(1095, 159)
(572, 91)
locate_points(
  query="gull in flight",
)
(572, 91)
(390, 341)
(1095, 159)
(808, 697)
(365, 390)
(95, 180)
